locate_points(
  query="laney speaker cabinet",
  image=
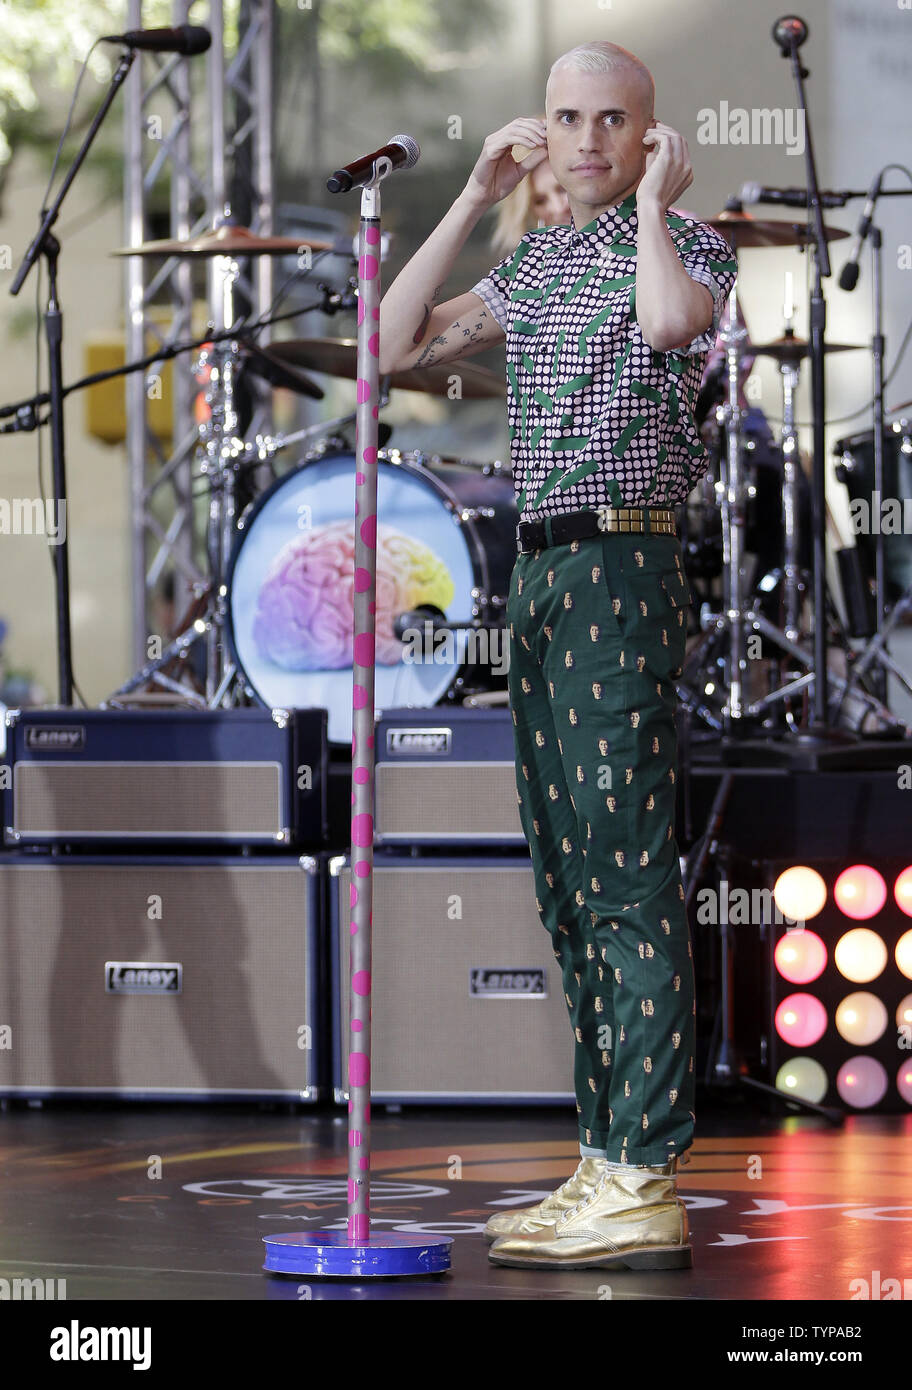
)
(245, 776)
(446, 776)
(467, 1000)
(153, 979)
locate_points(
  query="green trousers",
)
(597, 633)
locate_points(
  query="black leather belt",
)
(578, 526)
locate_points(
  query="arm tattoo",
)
(469, 335)
(429, 356)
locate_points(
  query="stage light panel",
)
(903, 954)
(902, 891)
(804, 1078)
(861, 1018)
(862, 1082)
(904, 1012)
(801, 957)
(860, 955)
(860, 892)
(904, 1082)
(800, 893)
(801, 1020)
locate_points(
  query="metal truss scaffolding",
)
(198, 146)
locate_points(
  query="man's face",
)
(595, 127)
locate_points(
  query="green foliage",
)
(392, 39)
(44, 44)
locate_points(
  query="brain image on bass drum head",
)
(291, 589)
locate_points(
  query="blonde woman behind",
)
(538, 201)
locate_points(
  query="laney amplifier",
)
(158, 978)
(244, 776)
(467, 1000)
(446, 776)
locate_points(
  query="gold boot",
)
(580, 1185)
(632, 1220)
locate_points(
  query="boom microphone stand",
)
(46, 244)
(790, 33)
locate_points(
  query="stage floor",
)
(171, 1202)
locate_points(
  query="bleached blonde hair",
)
(605, 57)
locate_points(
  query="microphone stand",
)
(46, 244)
(819, 724)
(879, 423)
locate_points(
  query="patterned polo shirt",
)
(596, 416)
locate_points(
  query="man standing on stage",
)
(606, 323)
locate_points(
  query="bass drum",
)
(446, 543)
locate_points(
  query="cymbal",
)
(339, 357)
(741, 229)
(794, 349)
(226, 241)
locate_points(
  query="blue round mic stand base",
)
(330, 1254)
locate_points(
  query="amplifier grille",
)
(449, 801)
(242, 936)
(429, 1035)
(53, 799)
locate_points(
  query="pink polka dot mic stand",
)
(360, 1252)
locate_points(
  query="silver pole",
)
(134, 387)
(790, 465)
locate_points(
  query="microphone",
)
(848, 276)
(188, 39)
(402, 151)
(415, 619)
(789, 197)
(790, 33)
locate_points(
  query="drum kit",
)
(275, 612)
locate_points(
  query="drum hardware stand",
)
(875, 650)
(742, 614)
(739, 613)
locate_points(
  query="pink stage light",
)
(801, 1020)
(860, 892)
(800, 957)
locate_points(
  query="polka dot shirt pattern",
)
(596, 416)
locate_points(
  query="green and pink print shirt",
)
(596, 416)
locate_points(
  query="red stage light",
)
(860, 891)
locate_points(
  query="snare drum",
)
(446, 542)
